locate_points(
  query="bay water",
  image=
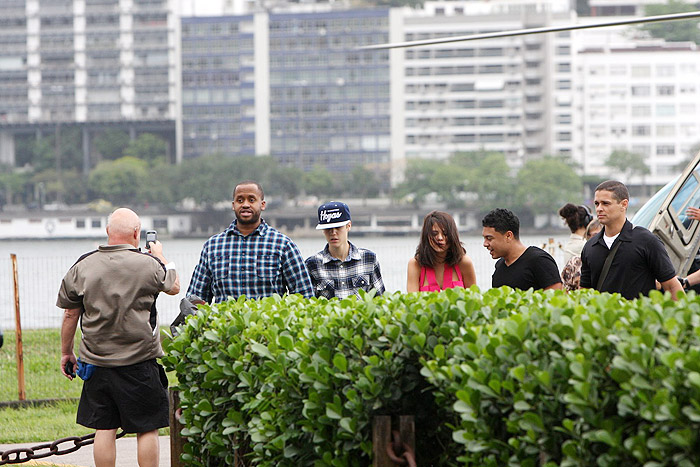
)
(42, 264)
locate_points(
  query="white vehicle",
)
(665, 215)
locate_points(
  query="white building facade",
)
(641, 98)
(511, 95)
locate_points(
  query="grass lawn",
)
(39, 423)
(42, 376)
(43, 380)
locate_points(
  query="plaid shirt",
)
(258, 265)
(334, 278)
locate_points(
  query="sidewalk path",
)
(126, 454)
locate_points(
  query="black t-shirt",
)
(534, 269)
(640, 260)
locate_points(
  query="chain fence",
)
(41, 451)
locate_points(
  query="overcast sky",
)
(200, 7)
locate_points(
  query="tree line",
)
(484, 180)
(136, 172)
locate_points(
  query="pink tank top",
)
(447, 282)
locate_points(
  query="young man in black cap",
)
(341, 269)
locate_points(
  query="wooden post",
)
(381, 437)
(18, 332)
(177, 442)
(407, 428)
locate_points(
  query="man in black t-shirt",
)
(518, 266)
(640, 259)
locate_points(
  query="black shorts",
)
(133, 397)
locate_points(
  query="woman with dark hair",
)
(440, 262)
(571, 274)
(577, 219)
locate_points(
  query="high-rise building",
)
(96, 64)
(510, 95)
(290, 85)
(218, 86)
(641, 97)
(329, 101)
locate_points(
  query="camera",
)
(69, 369)
(151, 236)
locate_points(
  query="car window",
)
(688, 195)
(647, 212)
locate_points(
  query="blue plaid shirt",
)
(335, 278)
(258, 265)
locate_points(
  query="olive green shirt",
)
(116, 286)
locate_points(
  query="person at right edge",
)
(113, 292)
(622, 258)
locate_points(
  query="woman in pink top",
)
(441, 261)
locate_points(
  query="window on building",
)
(665, 90)
(665, 110)
(618, 111)
(665, 70)
(618, 130)
(640, 91)
(665, 149)
(641, 110)
(618, 70)
(641, 130)
(641, 71)
(687, 109)
(641, 149)
(665, 130)
(563, 119)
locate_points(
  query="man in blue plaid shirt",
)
(341, 269)
(249, 258)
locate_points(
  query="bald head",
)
(123, 227)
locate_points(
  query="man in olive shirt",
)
(113, 292)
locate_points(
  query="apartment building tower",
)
(642, 97)
(289, 85)
(510, 95)
(96, 64)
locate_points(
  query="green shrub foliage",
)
(497, 378)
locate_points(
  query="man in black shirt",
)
(518, 266)
(640, 259)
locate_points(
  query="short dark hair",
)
(618, 189)
(502, 220)
(249, 182)
(425, 254)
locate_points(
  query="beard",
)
(254, 218)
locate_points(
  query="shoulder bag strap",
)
(606, 266)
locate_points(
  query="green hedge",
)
(496, 378)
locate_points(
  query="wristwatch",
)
(684, 282)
